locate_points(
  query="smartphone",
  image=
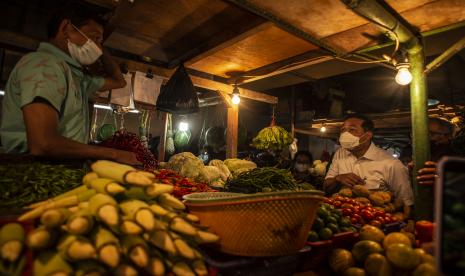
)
(450, 216)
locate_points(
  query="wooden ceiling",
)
(263, 43)
(236, 37)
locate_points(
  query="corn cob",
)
(54, 217)
(181, 226)
(135, 248)
(40, 238)
(183, 248)
(106, 186)
(89, 268)
(89, 177)
(192, 218)
(80, 223)
(140, 212)
(75, 248)
(158, 210)
(200, 268)
(75, 191)
(105, 209)
(182, 269)
(156, 267)
(206, 237)
(51, 263)
(107, 246)
(129, 227)
(136, 193)
(125, 270)
(162, 240)
(12, 238)
(167, 200)
(157, 189)
(59, 203)
(120, 173)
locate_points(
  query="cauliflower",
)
(211, 175)
(319, 168)
(225, 173)
(186, 164)
(237, 166)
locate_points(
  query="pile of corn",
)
(120, 222)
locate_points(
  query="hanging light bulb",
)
(236, 99)
(403, 76)
(183, 126)
(323, 129)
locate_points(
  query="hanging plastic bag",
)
(178, 96)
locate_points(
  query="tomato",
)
(379, 214)
(339, 198)
(337, 203)
(357, 216)
(394, 219)
(329, 200)
(347, 211)
(356, 209)
(351, 201)
(366, 214)
(388, 220)
(380, 219)
(353, 220)
(346, 205)
(369, 208)
(375, 223)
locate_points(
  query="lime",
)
(345, 222)
(331, 219)
(346, 229)
(336, 216)
(322, 213)
(334, 228)
(312, 236)
(318, 224)
(325, 233)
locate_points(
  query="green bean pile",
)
(23, 184)
(258, 180)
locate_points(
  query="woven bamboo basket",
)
(265, 224)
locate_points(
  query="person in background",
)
(441, 133)
(360, 162)
(301, 165)
(46, 103)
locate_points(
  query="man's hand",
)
(127, 157)
(349, 179)
(427, 175)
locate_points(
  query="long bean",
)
(262, 180)
(22, 184)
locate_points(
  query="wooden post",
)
(162, 146)
(231, 137)
(293, 112)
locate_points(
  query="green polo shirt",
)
(50, 74)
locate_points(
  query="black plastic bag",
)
(178, 96)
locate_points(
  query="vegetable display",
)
(329, 221)
(22, 184)
(120, 222)
(124, 140)
(181, 185)
(361, 212)
(376, 254)
(266, 179)
(273, 138)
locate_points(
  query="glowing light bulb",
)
(236, 99)
(323, 129)
(183, 126)
(403, 76)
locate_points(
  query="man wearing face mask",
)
(46, 103)
(360, 162)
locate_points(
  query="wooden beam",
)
(162, 146)
(231, 132)
(283, 66)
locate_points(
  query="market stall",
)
(233, 76)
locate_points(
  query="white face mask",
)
(86, 54)
(301, 167)
(348, 140)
